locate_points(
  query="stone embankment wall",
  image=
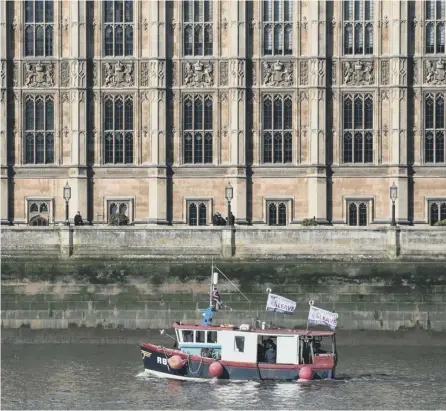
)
(139, 295)
(238, 243)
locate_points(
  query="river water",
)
(93, 376)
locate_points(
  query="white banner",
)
(280, 304)
(322, 317)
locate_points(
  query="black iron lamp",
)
(229, 192)
(67, 196)
(393, 197)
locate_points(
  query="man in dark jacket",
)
(78, 219)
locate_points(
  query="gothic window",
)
(278, 213)
(118, 28)
(358, 128)
(358, 27)
(437, 211)
(197, 129)
(39, 129)
(277, 27)
(39, 28)
(435, 26)
(118, 129)
(198, 27)
(119, 206)
(197, 213)
(277, 129)
(434, 128)
(357, 213)
(38, 212)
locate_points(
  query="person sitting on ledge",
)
(78, 219)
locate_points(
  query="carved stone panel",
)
(64, 74)
(224, 73)
(15, 75)
(118, 74)
(358, 73)
(3, 73)
(303, 73)
(277, 74)
(38, 74)
(435, 72)
(198, 74)
(78, 73)
(385, 72)
(144, 75)
(415, 73)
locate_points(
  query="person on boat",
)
(260, 353)
(270, 353)
(318, 349)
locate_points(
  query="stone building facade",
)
(149, 108)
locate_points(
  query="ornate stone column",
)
(317, 93)
(237, 127)
(76, 71)
(4, 77)
(398, 44)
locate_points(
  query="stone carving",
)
(303, 73)
(198, 74)
(384, 95)
(118, 74)
(254, 74)
(64, 97)
(64, 74)
(435, 72)
(303, 95)
(277, 74)
(174, 73)
(39, 75)
(333, 73)
(15, 23)
(358, 73)
(224, 73)
(15, 75)
(144, 74)
(95, 74)
(415, 73)
(385, 72)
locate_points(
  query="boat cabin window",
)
(311, 347)
(239, 344)
(188, 336)
(212, 337)
(199, 336)
(267, 348)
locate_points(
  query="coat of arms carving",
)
(118, 74)
(358, 73)
(277, 74)
(436, 72)
(198, 74)
(39, 75)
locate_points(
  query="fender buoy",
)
(305, 374)
(216, 369)
(175, 362)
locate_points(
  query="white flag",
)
(280, 304)
(322, 317)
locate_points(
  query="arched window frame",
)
(436, 210)
(434, 128)
(359, 211)
(118, 30)
(38, 209)
(277, 29)
(198, 124)
(358, 27)
(198, 212)
(38, 136)
(435, 22)
(278, 211)
(38, 28)
(357, 124)
(118, 129)
(277, 135)
(198, 27)
(119, 203)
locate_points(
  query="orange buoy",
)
(175, 362)
(216, 369)
(305, 374)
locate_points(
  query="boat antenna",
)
(212, 281)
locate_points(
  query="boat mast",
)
(212, 282)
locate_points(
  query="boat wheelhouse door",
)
(287, 349)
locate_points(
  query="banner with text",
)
(280, 304)
(322, 317)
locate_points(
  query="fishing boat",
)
(245, 352)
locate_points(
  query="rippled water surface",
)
(83, 376)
